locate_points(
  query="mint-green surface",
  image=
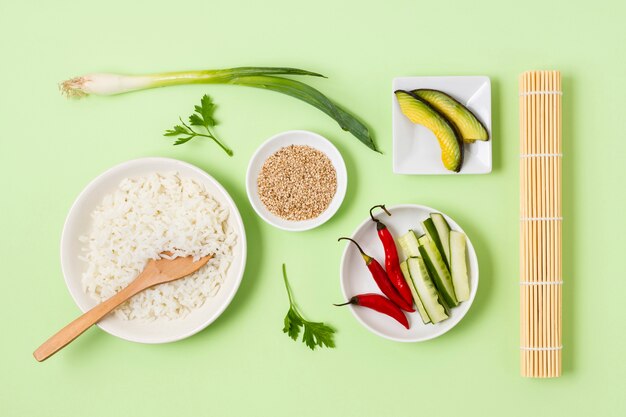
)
(243, 365)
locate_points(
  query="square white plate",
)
(415, 148)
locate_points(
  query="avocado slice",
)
(420, 112)
(470, 128)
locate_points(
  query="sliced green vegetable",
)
(427, 292)
(420, 112)
(468, 125)
(460, 277)
(418, 302)
(408, 244)
(433, 235)
(438, 270)
(443, 230)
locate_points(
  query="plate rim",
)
(126, 164)
(469, 302)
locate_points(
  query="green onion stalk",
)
(266, 78)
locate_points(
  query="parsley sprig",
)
(202, 117)
(315, 334)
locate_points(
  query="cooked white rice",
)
(144, 217)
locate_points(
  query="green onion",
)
(258, 77)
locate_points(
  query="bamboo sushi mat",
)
(540, 224)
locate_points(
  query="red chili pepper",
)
(382, 280)
(392, 263)
(381, 304)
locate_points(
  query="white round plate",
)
(356, 279)
(78, 223)
(275, 143)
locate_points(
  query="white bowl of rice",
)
(135, 211)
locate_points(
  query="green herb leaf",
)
(203, 117)
(196, 120)
(316, 334)
(293, 322)
(178, 130)
(180, 141)
(206, 110)
(204, 113)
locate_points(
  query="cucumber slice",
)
(408, 244)
(418, 302)
(443, 230)
(431, 232)
(460, 278)
(426, 290)
(437, 268)
(445, 305)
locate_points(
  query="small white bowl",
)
(79, 221)
(272, 145)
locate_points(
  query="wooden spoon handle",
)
(70, 332)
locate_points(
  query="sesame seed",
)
(297, 182)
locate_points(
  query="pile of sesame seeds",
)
(297, 182)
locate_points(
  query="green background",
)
(243, 365)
